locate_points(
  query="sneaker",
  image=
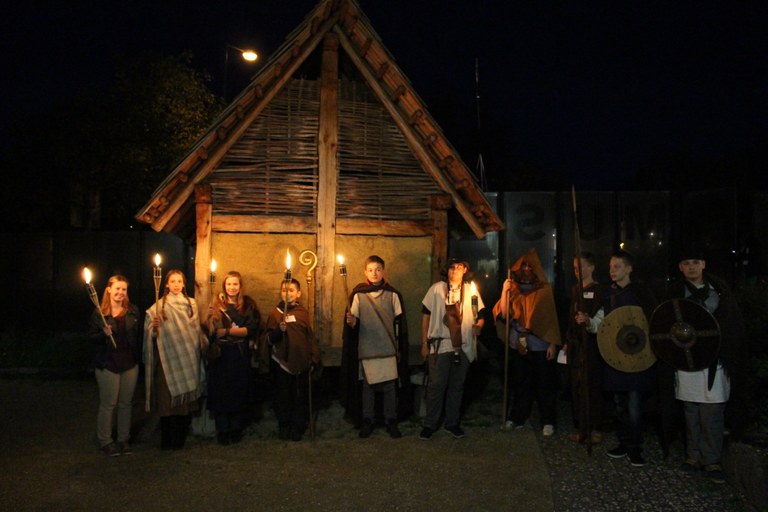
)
(509, 424)
(298, 433)
(125, 449)
(366, 430)
(110, 450)
(426, 433)
(284, 433)
(455, 431)
(636, 457)
(223, 438)
(690, 466)
(548, 430)
(393, 431)
(618, 452)
(715, 473)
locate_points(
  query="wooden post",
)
(440, 204)
(328, 143)
(204, 214)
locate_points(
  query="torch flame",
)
(157, 260)
(288, 259)
(87, 275)
(341, 259)
(213, 265)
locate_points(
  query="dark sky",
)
(591, 91)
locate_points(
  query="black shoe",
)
(235, 436)
(715, 473)
(110, 450)
(690, 466)
(393, 431)
(618, 452)
(636, 457)
(366, 430)
(125, 448)
(223, 438)
(284, 433)
(426, 433)
(456, 431)
(297, 434)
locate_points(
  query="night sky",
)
(590, 92)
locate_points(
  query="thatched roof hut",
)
(329, 149)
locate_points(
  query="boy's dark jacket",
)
(350, 385)
(733, 355)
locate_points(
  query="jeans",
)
(115, 389)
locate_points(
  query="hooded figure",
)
(529, 304)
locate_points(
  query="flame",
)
(87, 275)
(288, 259)
(341, 259)
(157, 259)
(474, 288)
(213, 265)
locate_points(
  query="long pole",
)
(583, 368)
(506, 356)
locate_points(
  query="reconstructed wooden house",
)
(328, 149)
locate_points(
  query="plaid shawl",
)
(178, 344)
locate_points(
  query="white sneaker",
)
(509, 424)
(548, 430)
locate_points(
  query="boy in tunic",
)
(375, 326)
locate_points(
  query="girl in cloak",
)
(172, 343)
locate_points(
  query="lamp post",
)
(247, 55)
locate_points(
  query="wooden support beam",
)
(203, 214)
(440, 205)
(328, 168)
(263, 224)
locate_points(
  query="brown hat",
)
(457, 261)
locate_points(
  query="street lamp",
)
(247, 55)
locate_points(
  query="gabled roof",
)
(171, 207)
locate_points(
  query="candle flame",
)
(157, 259)
(474, 288)
(213, 265)
(341, 259)
(87, 275)
(288, 259)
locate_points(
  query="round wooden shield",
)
(623, 340)
(684, 335)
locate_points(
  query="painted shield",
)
(684, 335)
(623, 340)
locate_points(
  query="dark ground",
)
(52, 463)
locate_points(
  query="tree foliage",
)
(94, 161)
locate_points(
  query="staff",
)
(584, 414)
(505, 400)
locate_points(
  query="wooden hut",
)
(328, 149)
